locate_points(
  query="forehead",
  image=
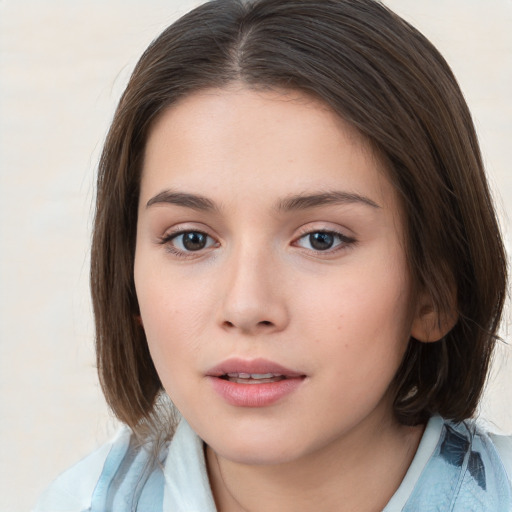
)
(242, 109)
(241, 143)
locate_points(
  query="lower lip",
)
(254, 395)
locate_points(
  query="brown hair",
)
(387, 80)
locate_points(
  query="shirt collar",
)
(187, 484)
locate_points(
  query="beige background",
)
(63, 65)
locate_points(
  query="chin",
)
(258, 456)
(257, 448)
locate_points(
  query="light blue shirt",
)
(457, 468)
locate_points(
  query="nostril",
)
(249, 326)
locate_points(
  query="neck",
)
(357, 472)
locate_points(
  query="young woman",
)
(297, 273)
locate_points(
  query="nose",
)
(254, 300)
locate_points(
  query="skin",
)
(342, 317)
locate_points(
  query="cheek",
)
(365, 345)
(358, 302)
(174, 313)
(169, 321)
(365, 320)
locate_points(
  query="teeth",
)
(253, 378)
(253, 375)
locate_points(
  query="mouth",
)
(252, 378)
(254, 371)
(254, 383)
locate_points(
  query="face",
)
(270, 273)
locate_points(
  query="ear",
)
(429, 324)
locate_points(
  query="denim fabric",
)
(457, 469)
(131, 481)
(464, 474)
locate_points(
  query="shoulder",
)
(469, 469)
(503, 445)
(124, 475)
(494, 450)
(485, 477)
(72, 491)
(121, 475)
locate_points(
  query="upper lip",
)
(254, 366)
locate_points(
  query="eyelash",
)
(168, 239)
(344, 242)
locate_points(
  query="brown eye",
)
(194, 241)
(190, 241)
(319, 241)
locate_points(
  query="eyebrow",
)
(292, 203)
(303, 202)
(194, 201)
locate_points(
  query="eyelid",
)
(173, 233)
(185, 227)
(346, 241)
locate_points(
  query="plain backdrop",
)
(63, 65)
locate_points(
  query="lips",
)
(254, 383)
(254, 368)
